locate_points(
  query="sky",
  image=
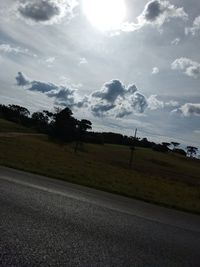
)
(123, 64)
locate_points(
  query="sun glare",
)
(105, 15)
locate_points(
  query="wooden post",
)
(132, 150)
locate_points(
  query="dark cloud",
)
(35, 85)
(45, 11)
(131, 89)
(156, 12)
(62, 95)
(113, 90)
(101, 109)
(21, 79)
(153, 10)
(116, 98)
(67, 97)
(39, 10)
(110, 91)
(139, 102)
(42, 86)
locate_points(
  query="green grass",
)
(166, 179)
(8, 126)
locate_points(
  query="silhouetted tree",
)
(64, 126)
(175, 145)
(145, 142)
(161, 147)
(81, 127)
(19, 111)
(40, 121)
(192, 151)
(15, 113)
(84, 125)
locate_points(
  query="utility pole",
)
(132, 148)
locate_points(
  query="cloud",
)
(110, 91)
(42, 86)
(189, 109)
(45, 11)
(176, 41)
(50, 59)
(154, 103)
(195, 29)
(189, 67)
(116, 97)
(139, 102)
(21, 79)
(62, 95)
(33, 85)
(172, 103)
(156, 12)
(100, 109)
(123, 112)
(83, 61)
(155, 70)
(8, 49)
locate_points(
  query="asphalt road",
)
(45, 222)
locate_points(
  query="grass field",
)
(8, 126)
(167, 179)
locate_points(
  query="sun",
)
(105, 15)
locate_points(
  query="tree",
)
(19, 111)
(191, 151)
(165, 146)
(40, 121)
(84, 125)
(64, 126)
(81, 127)
(175, 145)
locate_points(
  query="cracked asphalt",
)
(46, 222)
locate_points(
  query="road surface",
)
(46, 222)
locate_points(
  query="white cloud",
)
(195, 27)
(156, 12)
(155, 70)
(176, 41)
(189, 67)
(7, 48)
(189, 109)
(50, 60)
(83, 61)
(172, 103)
(154, 103)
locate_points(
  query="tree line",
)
(62, 126)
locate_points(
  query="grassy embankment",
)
(8, 126)
(167, 179)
